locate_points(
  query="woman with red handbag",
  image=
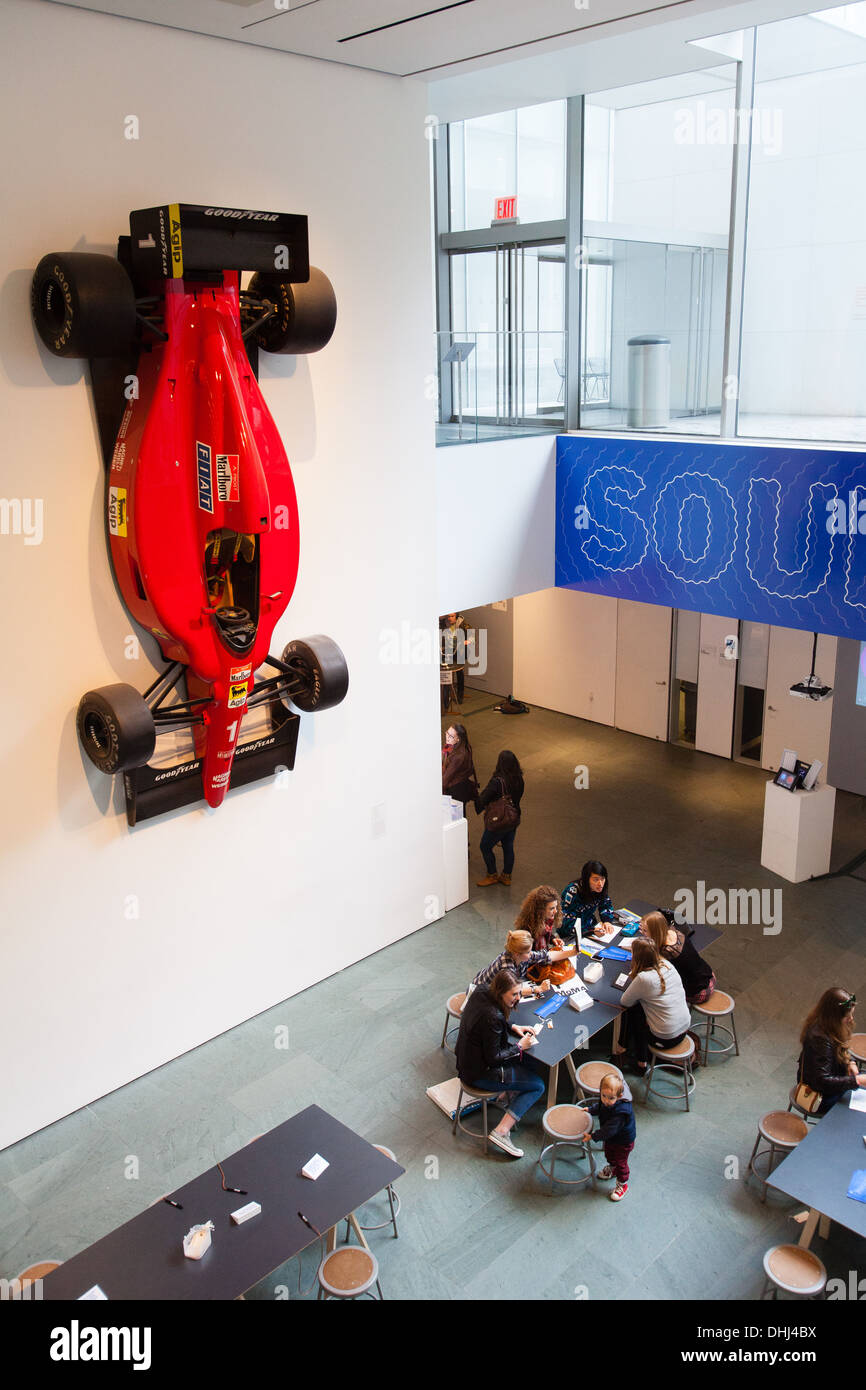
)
(499, 803)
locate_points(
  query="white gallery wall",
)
(118, 949)
(495, 512)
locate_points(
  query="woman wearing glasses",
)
(825, 1060)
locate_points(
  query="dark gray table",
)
(818, 1172)
(144, 1259)
(557, 1044)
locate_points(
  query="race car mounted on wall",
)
(200, 507)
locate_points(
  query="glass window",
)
(511, 153)
(657, 190)
(803, 366)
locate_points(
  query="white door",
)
(643, 664)
(717, 687)
(789, 722)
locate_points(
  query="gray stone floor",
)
(364, 1045)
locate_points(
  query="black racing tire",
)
(83, 305)
(322, 668)
(116, 728)
(306, 314)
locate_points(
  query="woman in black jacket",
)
(491, 1054)
(698, 977)
(507, 780)
(825, 1060)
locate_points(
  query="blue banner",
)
(760, 532)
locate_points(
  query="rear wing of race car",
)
(180, 239)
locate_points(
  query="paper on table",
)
(858, 1099)
(610, 930)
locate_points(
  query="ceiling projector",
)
(812, 688)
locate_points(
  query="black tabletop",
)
(144, 1259)
(819, 1171)
(565, 1036)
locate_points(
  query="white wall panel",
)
(565, 652)
(790, 722)
(643, 663)
(495, 511)
(238, 908)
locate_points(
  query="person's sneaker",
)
(618, 1192)
(506, 879)
(605, 1172)
(488, 880)
(503, 1142)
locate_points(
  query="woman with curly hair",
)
(541, 915)
(825, 1059)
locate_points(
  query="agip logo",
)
(117, 511)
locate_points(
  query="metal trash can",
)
(649, 381)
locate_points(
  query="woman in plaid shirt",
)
(517, 957)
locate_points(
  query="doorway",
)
(509, 302)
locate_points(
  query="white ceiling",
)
(408, 38)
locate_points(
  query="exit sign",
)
(505, 208)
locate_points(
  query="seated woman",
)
(825, 1060)
(657, 1010)
(697, 976)
(491, 1054)
(541, 916)
(585, 898)
(519, 957)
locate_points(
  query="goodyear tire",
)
(322, 670)
(116, 728)
(83, 305)
(306, 314)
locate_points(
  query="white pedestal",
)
(455, 852)
(798, 831)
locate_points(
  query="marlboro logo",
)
(228, 478)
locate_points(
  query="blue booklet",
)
(550, 1006)
(857, 1190)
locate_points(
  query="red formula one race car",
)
(200, 506)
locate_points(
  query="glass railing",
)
(495, 385)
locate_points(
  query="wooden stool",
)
(719, 1005)
(590, 1076)
(857, 1048)
(781, 1132)
(794, 1270)
(22, 1285)
(349, 1272)
(566, 1125)
(484, 1097)
(676, 1059)
(393, 1201)
(808, 1116)
(452, 1010)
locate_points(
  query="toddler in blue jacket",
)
(616, 1131)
